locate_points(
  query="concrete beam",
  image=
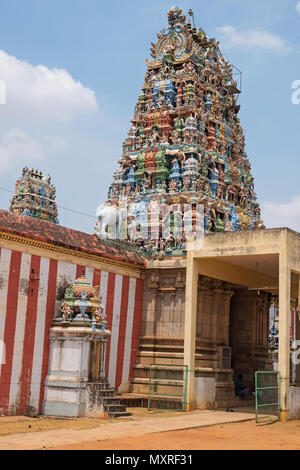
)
(235, 274)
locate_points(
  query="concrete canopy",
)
(263, 260)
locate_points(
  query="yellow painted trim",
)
(50, 250)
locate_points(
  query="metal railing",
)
(168, 387)
(267, 396)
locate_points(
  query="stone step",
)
(166, 404)
(138, 388)
(104, 387)
(118, 414)
(103, 394)
(236, 402)
(115, 408)
(157, 346)
(159, 386)
(145, 358)
(142, 372)
(108, 401)
(157, 402)
(134, 401)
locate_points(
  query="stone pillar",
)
(294, 395)
(221, 315)
(103, 347)
(227, 295)
(297, 334)
(150, 307)
(191, 291)
(200, 309)
(284, 333)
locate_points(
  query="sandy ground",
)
(235, 436)
(145, 430)
(21, 424)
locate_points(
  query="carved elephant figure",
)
(109, 222)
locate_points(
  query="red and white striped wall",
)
(28, 290)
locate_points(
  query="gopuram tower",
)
(186, 144)
(34, 196)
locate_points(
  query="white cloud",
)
(18, 148)
(298, 7)
(282, 215)
(253, 39)
(43, 93)
(55, 144)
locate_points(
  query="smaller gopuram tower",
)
(35, 196)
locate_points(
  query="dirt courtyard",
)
(198, 430)
(235, 436)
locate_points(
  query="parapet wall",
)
(37, 261)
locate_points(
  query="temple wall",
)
(31, 288)
(226, 317)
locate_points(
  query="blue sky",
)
(73, 70)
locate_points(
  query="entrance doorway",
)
(94, 364)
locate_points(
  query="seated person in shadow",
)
(240, 389)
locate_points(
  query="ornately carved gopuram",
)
(186, 144)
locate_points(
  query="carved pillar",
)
(216, 322)
(226, 298)
(103, 347)
(150, 304)
(200, 314)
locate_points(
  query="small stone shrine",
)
(77, 384)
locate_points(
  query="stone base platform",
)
(171, 403)
(213, 383)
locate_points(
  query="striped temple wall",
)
(29, 296)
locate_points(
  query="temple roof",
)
(50, 233)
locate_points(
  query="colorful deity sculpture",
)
(81, 303)
(175, 174)
(234, 219)
(186, 142)
(161, 166)
(191, 171)
(213, 180)
(131, 178)
(35, 196)
(170, 92)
